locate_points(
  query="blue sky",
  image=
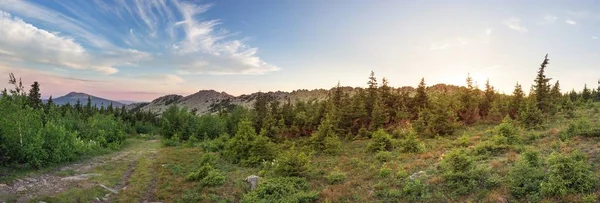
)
(142, 49)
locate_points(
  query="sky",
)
(143, 49)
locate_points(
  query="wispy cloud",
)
(439, 46)
(515, 24)
(549, 19)
(570, 22)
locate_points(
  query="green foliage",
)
(284, 189)
(336, 177)
(217, 144)
(384, 156)
(460, 173)
(525, 177)
(508, 130)
(411, 144)
(568, 173)
(201, 173)
(531, 117)
(415, 190)
(207, 175)
(381, 141)
(437, 120)
(292, 163)
(385, 171)
(580, 127)
(248, 148)
(326, 139)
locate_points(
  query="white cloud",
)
(571, 22)
(594, 37)
(19, 39)
(515, 24)
(488, 31)
(548, 19)
(439, 46)
(206, 50)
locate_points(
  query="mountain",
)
(127, 102)
(82, 97)
(210, 101)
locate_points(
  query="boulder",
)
(253, 180)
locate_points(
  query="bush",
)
(531, 116)
(496, 146)
(285, 189)
(385, 171)
(200, 174)
(292, 163)
(508, 130)
(336, 177)
(411, 144)
(525, 176)
(415, 190)
(436, 120)
(208, 158)
(568, 173)
(383, 156)
(460, 173)
(213, 178)
(381, 141)
(248, 148)
(326, 139)
(332, 145)
(216, 145)
(363, 133)
(580, 127)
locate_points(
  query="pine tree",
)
(469, 111)
(542, 88)
(586, 94)
(377, 115)
(488, 100)
(359, 111)
(421, 99)
(555, 97)
(516, 102)
(388, 100)
(372, 93)
(50, 101)
(260, 110)
(35, 98)
(598, 92)
(337, 96)
(573, 96)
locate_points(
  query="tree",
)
(260, 110)
(421, 99)
(488, 100)
(35, 98)
(573, 96)
(516, 102)
(586, 94)
(469, 111)
(337, 96)
(378, 117)
(541, 88)
(598, 92)
(371, 93)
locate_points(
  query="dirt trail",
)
(54, 182)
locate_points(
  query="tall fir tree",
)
(338, 92)
(35, 98)
(377, 115)
(260, 110)
(541, 88)
(388, 100)
(469, 110)
(586, 94)
(597, 98)
(421, 99)
(517, 102)
(488, 100)
(573, 96)
(371, 92)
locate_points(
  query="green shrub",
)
(508, 130)
(284, 189)
(363, 133)
(385, 171)
(495, 146)
(381, 141)
(460, 173)
(568, 173)
(208, 158)
(402, 174)
(292, 163)
(171, 142)
(333, 145)
(531, 117)
(589, 198)
(580, 127)
(383, 156)
(248, 148)
(213, 178)
(216, 145)
(201, 173)
(336, 177)
(525, 177)
(411, 144)
(415, 190)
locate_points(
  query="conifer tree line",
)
(37, 134)
(355, 113)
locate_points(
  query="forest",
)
(440, 143)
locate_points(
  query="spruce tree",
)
(469, 111)
(573, 96)
(556, 97)
(541, 88)
(421, 99)
(388, 100)
(371, 93)
(35, 98)
(488, 100)
(598, 92)
(260, 110)
(586, 94)
(377, 115)
(337, 96)
(516, 102)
